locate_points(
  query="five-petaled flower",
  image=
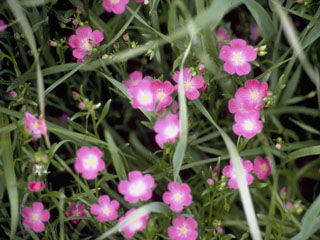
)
(106, 210)
(167, 129)
(183, 229)
(179, 195)
(89, 162)
(262, 167)
(35, 216)
(237, 56)
(76, 211)
(35, 126)
(115, 6)
(137, 187)
(247, 124)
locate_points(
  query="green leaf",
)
(104, 112)
(305, 127)
(308, 151)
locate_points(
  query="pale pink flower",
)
(142, 95)
(35, 126)
(89, 162)
(138, 187)
(115, 6)
(278, 146)
(183, 229)
(255, 32)
(106, 210)
(82, 105)
(53, 43)
(262, 167)
(219, 229)
(35, 216)
(237, 56)
(167, 129)
(209, 181)
(13, 94)
(76, 211)
(134, 78)
(35, 186)
(179, 195)
(222, 35)
(133, 226)
(230, 173)
(84, 41)
(191, 83)
(247, 124)
(288, 205)
(3, 25)
(162, 91)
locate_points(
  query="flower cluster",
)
(246, 105)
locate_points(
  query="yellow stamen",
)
(237, 57)
(177, 197)
(188, 85)
(254, 95)
(184, 230)
(35, 217)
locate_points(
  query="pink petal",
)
(243, 69)
(97, 36)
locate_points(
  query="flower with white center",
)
(106, 210)
(179, 195)
(247, 124)
(167, 129)
(183, 229)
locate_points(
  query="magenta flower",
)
(134, 78)
(138, 187)
(35, 186)
(162, 91)
(191, 83)
(142, 95)
(35, 126)
(262, 167)
(115, 6)
(13, 94)
(222, 35)
(247, 124)
(249, 98)
(35, 216)
(183, 229)
(106, 210)
(3, 25)
(76, 211)
(133, 226)
(178, 196)
(255, 32)
(167, 129)
(84, 41)
(229, 172)
(237, 56)
(89, 162)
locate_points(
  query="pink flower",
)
(13, 94)
(167, 129)
(133, 226)
(237, 56)
(201, 69)
(229, 172)
(3, 25)
(178, 196)
(283, 192)
(84, 41)
(162, 91)
(76, 211)
(35, 126)
(142, 95)
(255, 32)
(191, 83)
(35, 186)
(35, 216)
(106, 210)
(247, 124)
(209, 181)
(82, 105)
(288, 205)
(134, 78)
(183, 229)
(278, 146)
(219, 229)
(115, 6)
(138, 187)
(89, 162)
(221, 35)
(262, 167)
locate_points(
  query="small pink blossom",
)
(179, 195)
(237, 56)
(230, 173)
(202, 69)
(278, 146)
(219, 229)
(53, 43)
(106, 210)
(84, 41)
(191, 83)
(288, 205)
(162, 91)
(3, 25)
(255, 32)
(35, 126)
(247, 124)
(134, 78)
(125, 37)
(167, 129)
(143, 95)
(13, 94)
(138, 187)
(183, 229)
(133, 226)
(283, 192)
(79, 9)
(75, 22)
(35, 216)
(89, 162)
(82, 105)
(209, 181)
(262, 167)
(76, 211)
(35, 186)
(115, 6)
(222, 35)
